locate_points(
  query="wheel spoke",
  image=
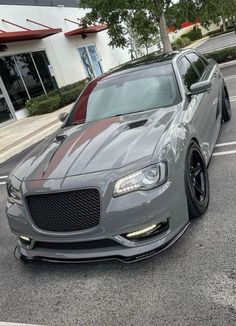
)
(197, 170)
(198, 189)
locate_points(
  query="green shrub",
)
(194, 34)
(50, 104)
(214, 33)
(230, 28)
(56, 99)
(181, 43)
(80, 84)
(185, 41)
(219, 32)
(223, 55)
(71, 95)
(176, 45)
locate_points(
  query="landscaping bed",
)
(222, 56)
(56, 99)
(65, 95)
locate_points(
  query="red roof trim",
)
(88, 30)
(7, 37)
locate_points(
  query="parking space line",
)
(226, 144)
(224, 153)
(2, 183)
(3, 177)
(6, 323)
(230, 77)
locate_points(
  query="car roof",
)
(153, 59)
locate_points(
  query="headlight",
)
(14, 195)
(145, 179)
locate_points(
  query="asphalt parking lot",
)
(191, 284)
(218, 42)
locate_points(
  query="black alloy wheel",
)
(226, 105)
(197, 182)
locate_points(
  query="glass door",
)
(91, 62)
(97, 68)
(6, 110)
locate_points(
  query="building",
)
(42, 47)
(186, 27)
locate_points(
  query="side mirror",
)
(62, 116)
(211, 61)
(200, 87)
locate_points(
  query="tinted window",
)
(23, 66)
(42, 65)
(13, 83)
(29, 74)
(187, 72)
(197, 62)
(141, 90)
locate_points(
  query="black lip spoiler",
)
(25, 260)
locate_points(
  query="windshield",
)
(128, 93)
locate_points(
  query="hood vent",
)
(137, 124)
(60, 138)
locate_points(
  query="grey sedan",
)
(127, 171)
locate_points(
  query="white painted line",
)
(230, 77)
(231, 143)
(227, 64)
(2, 183)
(3, 177)
(224, 153)
(5, 323)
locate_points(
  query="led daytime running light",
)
(140, 232)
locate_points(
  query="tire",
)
(196, 181)
(226, 106)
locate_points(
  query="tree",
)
(208, 11)
(142, 15)
(184, 10)
(211, 10)
(149, 35)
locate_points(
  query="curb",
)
(197, 43)
(28, 141)
(43, 127)
(227, 64)
(214, 37)
(28, 136)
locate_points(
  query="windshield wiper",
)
(149, 109)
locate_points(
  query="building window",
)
(13, 83)
(42, 64)
(26, 75)
(29, 74)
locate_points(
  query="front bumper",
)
(119, 216)
(128, 255)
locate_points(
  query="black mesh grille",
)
(104, 243)
(65, 211)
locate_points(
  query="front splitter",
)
(24, 259)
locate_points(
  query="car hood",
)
(102, 145)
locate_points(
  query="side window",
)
(198, 63)
(188, 73)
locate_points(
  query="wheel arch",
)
(195, 140)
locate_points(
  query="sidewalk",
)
(197, 43)
(21, 134)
